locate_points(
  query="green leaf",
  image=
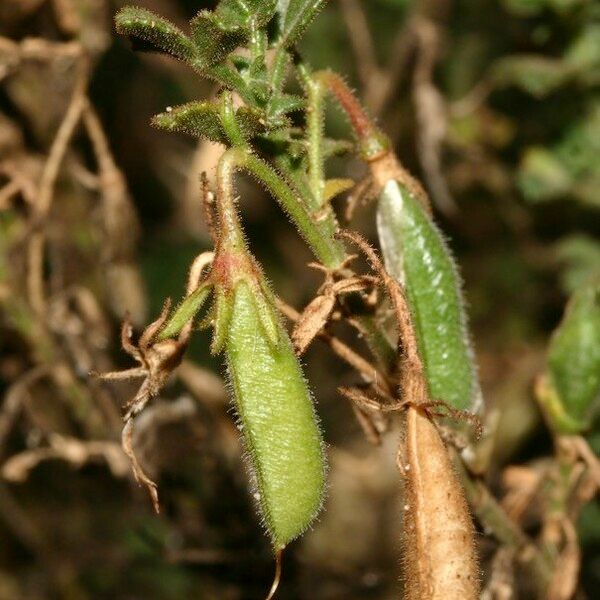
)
(223, 309)
(574, 361)
(157, 33)
(231, 79)
(571, 168)
(212, 41)
(542, 176)
(579, 149)
(199, 119)
(529, 8)
(250, 121)
(536, 75)
(584, 53)
(239, 14)
(580, 255)
(202, 119)
(285, 103)
(335, 187)
(333, 147)
(187, 310)
(295, 16)
(267, 316)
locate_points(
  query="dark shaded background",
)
(516, 189)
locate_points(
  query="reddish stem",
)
(372, 140)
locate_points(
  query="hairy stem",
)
(229, 122)
(314, 129)
(372, 141)
(318, 234)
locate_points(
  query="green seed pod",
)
(574, 364)
(416, 254)
(277, 417)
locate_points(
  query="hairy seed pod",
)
(416, 254)
(276, 413)
(440, 559)
(573, 393)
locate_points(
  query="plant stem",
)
(373, 142)
(229, 122)
(314, 127)
(318, 234)
(232, 79)
(230, 231)
(495, 521)
(378, 343)
(279, 70)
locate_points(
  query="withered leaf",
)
(312, 320)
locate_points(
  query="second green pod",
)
(416, 254)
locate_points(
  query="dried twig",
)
(496, 522)
(431, 111)
(35, 279)
(378, 83)
(361, 42)
(13, 400)
(72, 450)
(157, 360)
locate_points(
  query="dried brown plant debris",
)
(318, 312)
(72, 450)
(157, 360)
(370, 374)
(439, 542)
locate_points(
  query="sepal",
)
(188, 309)
(223, 310)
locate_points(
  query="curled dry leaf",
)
(312, 320)
(158, 358)
(157, 361)
(316, 314)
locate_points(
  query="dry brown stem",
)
(439, 543)
(317, 313)
(378, 83)
(361, 41)
(431, 115)
(157, 360)
(75, 451)
(14, 398)
(35, 250)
